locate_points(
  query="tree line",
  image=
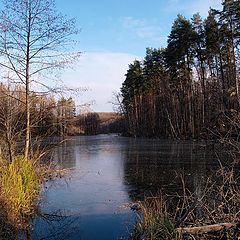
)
(48, 116)
(191, 88)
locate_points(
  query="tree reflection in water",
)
(59, 226)
(151, 166)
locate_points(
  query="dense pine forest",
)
(190, 89)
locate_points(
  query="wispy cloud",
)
(203, 6)
(191, 7)
(102, 73)
(143, 28)
(173, 2)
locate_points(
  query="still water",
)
(107, 173)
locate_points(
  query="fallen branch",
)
(207, 228)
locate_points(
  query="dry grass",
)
(20, 185)
(218, 202)
(155, 221)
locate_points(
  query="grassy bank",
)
(20, 185)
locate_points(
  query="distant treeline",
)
(190, 89)
(49, 116)
(94, 123)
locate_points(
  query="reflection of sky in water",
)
(110, 171)
(94, 193)
(96, 185)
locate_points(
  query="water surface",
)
(109, 172)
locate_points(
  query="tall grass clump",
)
(20, 185)
(155, 222)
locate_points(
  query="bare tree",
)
(117, 102)
(34, 38)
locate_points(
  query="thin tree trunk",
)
(27, 137)
(9, 146)
(203, 91)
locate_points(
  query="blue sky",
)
(113, 34)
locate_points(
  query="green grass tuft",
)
(20, 185)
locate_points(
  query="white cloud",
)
(143, 28)
(203, 6)
(101, 72)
